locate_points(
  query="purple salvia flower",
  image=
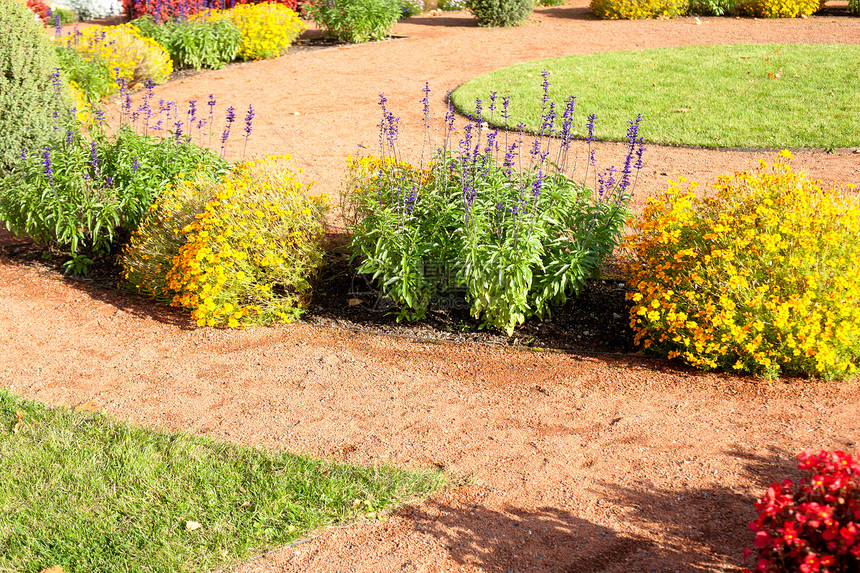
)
(178, 133)
(535, 148)
(491, 142)
(545, 86)
(639, 151)
(493, 96)
(249, 118)
(425, 101)
(590, 125)
(567, 121)
(56, 82)
(23, 154)
(159, 125)
(508, 163)
(411, 199)
(100, 117)
(538, 184)
(548, 120)
(505, 103)
(94, 157)
(136, 165)
(70, 137)
(449, 118)
(58, 28)
(192, 111)
(632, 138)
(391, 134)
(479, 109)
(47, 167)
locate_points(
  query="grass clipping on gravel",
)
(91, 494)
(760, 96)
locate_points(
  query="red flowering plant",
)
(39, 8)
(813, 526)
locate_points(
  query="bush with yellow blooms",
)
(235, 252)
(267, 29)
(760, 278)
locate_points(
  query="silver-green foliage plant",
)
(496, 220)
(93, 9)
(500, 13)
(27, 102)
(355, 20)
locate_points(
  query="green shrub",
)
(354, 20)
(471, 229)
(854, 7)
(636, 9)
(236, 251)
(84, 197)
(760, 278)
(28, 103)
(197, 43)
(66, 15)
(91, 76)
(549, 2)
(713, 7)
(779, 8)
(500, 12)
(451, 5)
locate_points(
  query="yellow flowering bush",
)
(760, 278)
(780, 8)
(122, 48)
(240, 251)
(267, 29)
(638, 9)
(149, 255)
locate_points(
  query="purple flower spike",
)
(47, 167)
(249, 118)
(590, 125)
(425, 101)
(538, 184)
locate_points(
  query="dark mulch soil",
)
(594, 322)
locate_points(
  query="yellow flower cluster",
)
(780, 8)
(149, 255)
(135, 57)
(760, 278)
(83, 110)
(637, 9)
(250, 256)
(267, 29)
(378, 180)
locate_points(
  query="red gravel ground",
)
(567, 462)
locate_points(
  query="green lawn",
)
(763, 96)
(92, 494)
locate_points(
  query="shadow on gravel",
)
(544, 539)
(706, 526)
(567, 13)
(443, 21)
